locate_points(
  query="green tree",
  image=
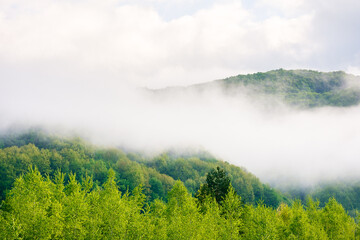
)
(260, 222)
(76, 210)
(182, 214)
(217, 185)
(337, 224)
(108, 210)
(156, 187)
(232, 211)
(32, 213)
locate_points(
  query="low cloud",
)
(271, 141)
(78, 66)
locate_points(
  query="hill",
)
(346, 192)
(298, 88)
(70, 204)
(156, 174)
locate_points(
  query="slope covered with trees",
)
(65, 188)
(297, 88)
(156, 174)
(345, 192)
(303, 88)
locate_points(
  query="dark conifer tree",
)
(216, 186)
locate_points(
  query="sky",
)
(78, 64)
(157, 43)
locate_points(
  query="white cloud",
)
(305, 146)
(353, 70)
(135, 44)
(282, 7)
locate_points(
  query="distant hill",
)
(345, 191)
(299, 88)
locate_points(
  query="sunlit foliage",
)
(39, 207)
(156, 174)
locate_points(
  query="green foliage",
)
(216, 186)
(75, 156)
(40, 208)
(245, 184)
(50, 154)
(156, 187)
(347, 193)
(31, 206)
(337, 224)
(260, 223)
(303, 88)
(297, 88)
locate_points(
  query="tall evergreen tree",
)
(217, 185)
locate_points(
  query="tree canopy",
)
(40, 207)
(156, 174)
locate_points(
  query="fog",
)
(269, 139)
(82, 66)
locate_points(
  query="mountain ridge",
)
(298, 88)
(157, 175)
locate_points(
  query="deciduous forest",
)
(65, 188)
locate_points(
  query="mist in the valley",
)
(277, 143)
(82, 67)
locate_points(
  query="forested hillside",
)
(65, 188)
(298, 88)
(303, 87)
(345, 192)
(156, 174)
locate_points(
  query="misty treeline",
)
(345, 192)
(301, 88)
(54, 187)
(157, 174)
(39, 207)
